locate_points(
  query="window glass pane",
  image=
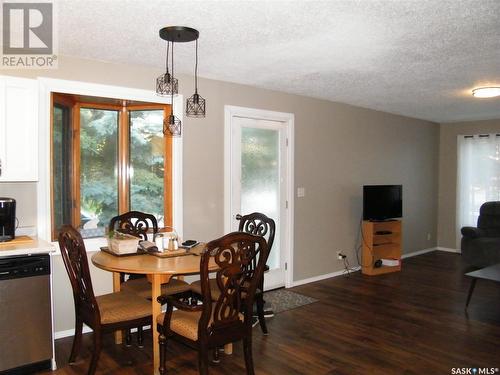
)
(147, 152)
(98, 170)
(61, 150)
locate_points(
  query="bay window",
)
(109, 156)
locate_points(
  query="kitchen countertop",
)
(36, 246)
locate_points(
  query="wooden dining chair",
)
(140, 224)
(260, 225)
(106, 313)
(240, 258)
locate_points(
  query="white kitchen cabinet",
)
(18, 129)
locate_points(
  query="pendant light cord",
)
(196, 69)
(166, 62)
(172, 91)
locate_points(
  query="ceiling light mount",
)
(179, 34)
(486, 92)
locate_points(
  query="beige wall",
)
(338, 148)
(447, 231)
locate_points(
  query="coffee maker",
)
(7, 219)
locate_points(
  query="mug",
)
(160, 242)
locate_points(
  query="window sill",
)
(91, 245)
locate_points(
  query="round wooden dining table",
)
(159, 270)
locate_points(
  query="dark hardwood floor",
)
(411, 322)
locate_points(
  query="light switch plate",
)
(301, 192)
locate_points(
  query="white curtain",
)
(478, 176)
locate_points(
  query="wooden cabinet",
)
(18, 129)
(381, 240)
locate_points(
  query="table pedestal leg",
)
(156, 282)
(471, 289)
(116, 288)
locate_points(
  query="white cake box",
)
(121, 243)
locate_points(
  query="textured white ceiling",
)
(416, 58)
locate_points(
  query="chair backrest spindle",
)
(240, 258)
(258, 224)
(135, 223)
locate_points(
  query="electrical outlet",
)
(428, 236)
(340, 256)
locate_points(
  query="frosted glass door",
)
(258, 181)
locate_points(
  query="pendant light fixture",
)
(167, 84)
(195, 105)
(172, 125)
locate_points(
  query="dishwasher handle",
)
(25, 266)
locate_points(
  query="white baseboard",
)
(86, 329)
(70, 332)
(418, 252)
(438, 248)
(341, 272)
(448, 249)
(322, 277)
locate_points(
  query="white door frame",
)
(233, 111)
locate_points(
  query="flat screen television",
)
(382, 202)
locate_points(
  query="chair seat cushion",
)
(142, 287)
(195, 286)
(185, 323)
(122, 306)
(481, 252)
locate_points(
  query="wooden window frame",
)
(64, 101)
(123, 158)
(167, 161)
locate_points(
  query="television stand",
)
(381, 240)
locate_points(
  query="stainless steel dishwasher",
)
(25, 314)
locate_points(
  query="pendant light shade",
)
(167, 84)
(172, 126)
(195, 106)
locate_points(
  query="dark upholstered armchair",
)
(481, 245)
